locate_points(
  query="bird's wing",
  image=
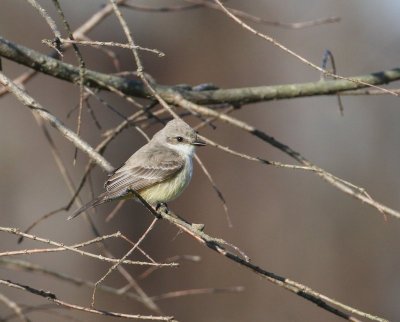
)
(144, 170)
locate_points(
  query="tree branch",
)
(244, 95)
(303, 291)
(56, 123)
(52, 298)
(70, 73)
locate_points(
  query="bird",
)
(159, 171)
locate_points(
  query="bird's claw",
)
(162, 207)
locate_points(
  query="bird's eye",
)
(179, 138)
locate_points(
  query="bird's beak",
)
(199, 142)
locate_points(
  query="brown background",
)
(289, 222)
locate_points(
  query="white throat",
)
(185, 150)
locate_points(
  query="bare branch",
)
(52, 298)
(238, 96)
(198, 291)
(292, 53)
(28, 101)
(73, 248)
(112, 268)
(15, 307)
(46, 16)
(294, 287)
(343, 185)
(252, 18)
(110, 44)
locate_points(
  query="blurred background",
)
(289, 222)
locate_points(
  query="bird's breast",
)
(171, 188)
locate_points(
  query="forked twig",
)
(74, 248)
(112, 268)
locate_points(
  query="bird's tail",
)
(95, 202)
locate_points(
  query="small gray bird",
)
(159, 171)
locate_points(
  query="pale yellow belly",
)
(170, 189)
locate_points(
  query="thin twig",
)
(292, 53)
(333, 180)
(108, 52)
(216, 189)
(79, 33)
(196, 4)
(92, 114)
(139, 7)
(140, 69)
(112, 214)
(15, 307)
(46, 309)
(73, 248)
(55, 44)
(256, 19)
(328, 57)
(30, 267)
(150, 270)
(197, 291)
(47, 116)
(82, 69)
(52, 298)
(301, 290)
(111, 44)
(112, 268)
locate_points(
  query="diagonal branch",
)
(303, 291)
(342, 185)
(175, 97)
(56, 123)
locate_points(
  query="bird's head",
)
(179, 136)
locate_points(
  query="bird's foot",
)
(162, 207)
